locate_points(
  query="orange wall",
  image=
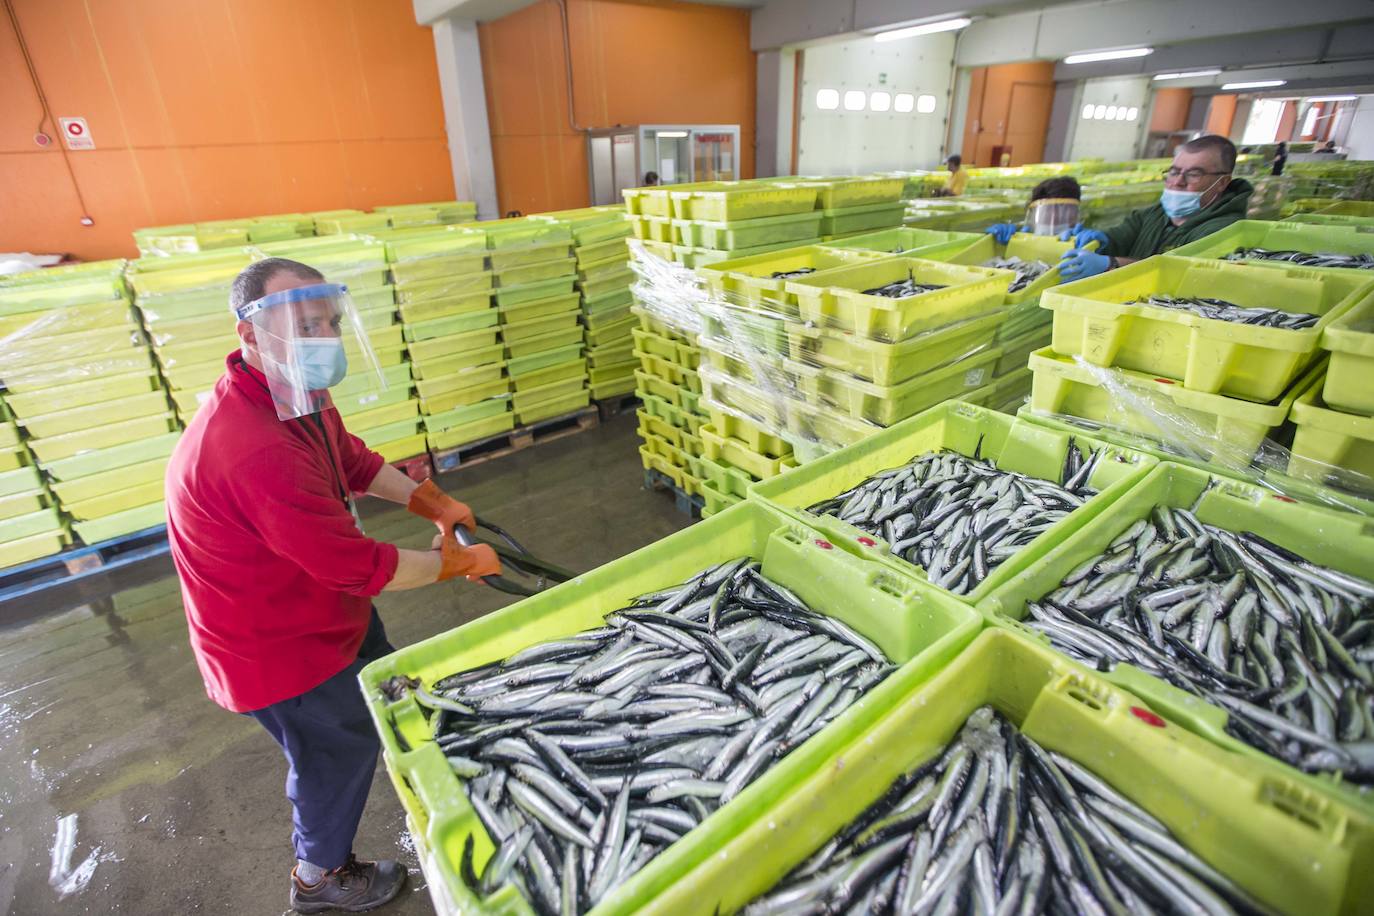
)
(1171, 110)
(633, 63)
(1220, 114)
(1008, 104)
(1287, 121)
(207, 110)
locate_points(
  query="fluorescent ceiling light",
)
(1186, 75)
(670, 134)
(1255, 84)
(1093, 56)
(1332, 98)
(925, 28)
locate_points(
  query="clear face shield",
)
(1052, 215)
(310, 339)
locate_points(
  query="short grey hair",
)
(1225, 149)
(251, 283)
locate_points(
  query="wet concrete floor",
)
(123, 788)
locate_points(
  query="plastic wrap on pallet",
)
(744, 372)
(1180, 434)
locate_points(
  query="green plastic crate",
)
(610, 332)
(448, 365)
(1016, 351)
(1253, 823)
(726, 201)
(19, 480)
(81, 394)
(917, 628)
(91, 486)
(750, 279)
(539, 308)
(453, 324)
(606, 302)
(885, 405)
(466, 396)
(362, 380)
(23, 503)
(1340, 540)
(557, 372)
(503, 259)
(404, 447)
(850, 220)
(612, 354)
(465, 434)
(768, 230)
(12, 553)
(429, 310)
(139, 518)
(66, 445)
(540, 343)
(112, 502)
(69, 320)
(1327, 440)
(553, 407)
(1280, 236)
(526, 397)
(1010, 444)
(382, 414)
(42, 521)
(354, 406)
(836, 299)
(528, 292)
(596, 286)
(438, 267)
(101, 459)
(890, 363)
(694, 258)
(1206, 355)
(422, 351)
(1008, 393)
(849, 193)
(540, 270)
(757, 438)
(390, 431)
(1350, 340)
(604, 249)
(613, 388)
(467, 414)
(448, 287)
(516, 332)
(736, 452)
(1224, 430)
(480, 374)
(1022, 245)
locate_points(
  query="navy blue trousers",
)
(331, 751)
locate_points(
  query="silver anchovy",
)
(1221, 310)
(1362, 261)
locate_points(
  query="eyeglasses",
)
(1189, 175)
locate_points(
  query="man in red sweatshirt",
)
(277, 575)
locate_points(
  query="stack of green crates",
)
(81, 384)
(604, 279)
(540, 316)
(849, 206)
(337, 222)
(1333, 418)
(1222, 385)
(30, 525)
(443, 294)
(438, 213)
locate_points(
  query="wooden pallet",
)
(613, 407)
(688, 505)
(418, 468)
(82, 562)
(516, 440)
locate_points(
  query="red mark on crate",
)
(1147, 717)
(824, 545)
(1166, 381)
(1287, 499)
(868, 542)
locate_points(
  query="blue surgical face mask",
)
(1179, 204)
(321, 360)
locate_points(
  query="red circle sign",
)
(75, 129)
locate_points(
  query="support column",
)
(776, 84)
(459, 57)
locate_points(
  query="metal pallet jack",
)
(513, 555)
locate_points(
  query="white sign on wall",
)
(76, 133)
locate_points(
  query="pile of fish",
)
(997, 824)
(1361, 261)
(1284, 645)
(902, 289)
(1221, 310)
(585, 757)
(959, 518)
(786, 274)
(1026, 271)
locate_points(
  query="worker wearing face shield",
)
(1053, 210)
(1200, 197)
(277, 575)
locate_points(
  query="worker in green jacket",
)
(1199, 197)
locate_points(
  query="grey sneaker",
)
(354, 887)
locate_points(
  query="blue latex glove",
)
(1003, 232)
(1078, 263)
(1081, 237)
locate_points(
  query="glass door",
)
(713, 154)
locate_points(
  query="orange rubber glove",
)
(474, 562)
(428, 501)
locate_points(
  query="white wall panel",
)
(846, 142)
(1111, 139)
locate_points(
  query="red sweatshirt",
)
(275, 575)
